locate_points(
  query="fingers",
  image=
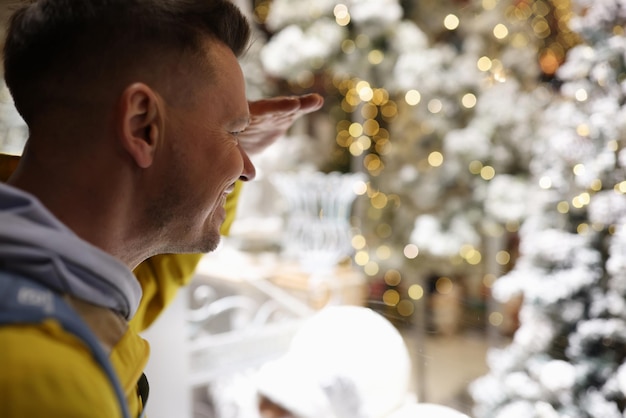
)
(311, 102)
(286, 105)
(275, 105)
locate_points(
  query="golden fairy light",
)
(371, 268)
(358, 242)
(405, 307)
(392, 277)
(468, 100)
(435, 159)
(545, 182)
(487, 172)
(412, 97)
(496, 319)
(503, 257)
(451, 22)
(342, 16)
(411, 251)
(383, 252)
(416, 292)
(391, 297)
(562, 207)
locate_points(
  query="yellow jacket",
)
(46, 371)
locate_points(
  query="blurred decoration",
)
(566, 357)
(318, 230)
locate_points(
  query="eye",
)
(236, 135)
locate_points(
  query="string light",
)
(451, 22)
(412, 97)
(503, 258)
(392, 277)
(411, 251)
(391, 297)
(416, 292)
(496, 319)
(405, 307)
(342, 16)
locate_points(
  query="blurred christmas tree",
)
(438, 102)
(567, 359)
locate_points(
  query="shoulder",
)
(44, 371)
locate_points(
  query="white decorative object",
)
(318, 227)
(318, 216)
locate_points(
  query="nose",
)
(249, 171)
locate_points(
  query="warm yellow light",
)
(583, 129)
(484, 63)
(581, 95)
(383, 252)
(562, 207)
(356, 149)
(358, 242)
(356, 129)
(435, 158)
(412, 97)
(545, 182)
(489, 4)
(512, 226)
(582, 229)
(411, 251)
(361, 258)
(496, 319)
(405, 307)
(348, 46)
(372, 162)
(391, 297)
(360, 188)
(451, 22)
(489, 279)
(475, 258)
(487, 172)
(366, 93)
(371, 127)
(621, 187)
(371, 268)
(579, 169)
(364, 142)
(500, 31)
(342, 16)
(416, 292)
(393, 277)
(369, 111)
(444, 285)
(503, 258)
(435, 106)
(389, 110)
(468, 100)
(375, 56)
(379, 201)
(596, 185)
(475, 167)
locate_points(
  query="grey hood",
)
(37, 245)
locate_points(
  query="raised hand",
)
(271, 118)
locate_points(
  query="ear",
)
(140, 123)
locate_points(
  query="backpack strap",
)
(23, 301)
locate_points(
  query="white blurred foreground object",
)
(426, 410)
(345, 362)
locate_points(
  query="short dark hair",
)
(58, 47)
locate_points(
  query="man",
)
(134, 110)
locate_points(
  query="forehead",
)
(227, 84)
